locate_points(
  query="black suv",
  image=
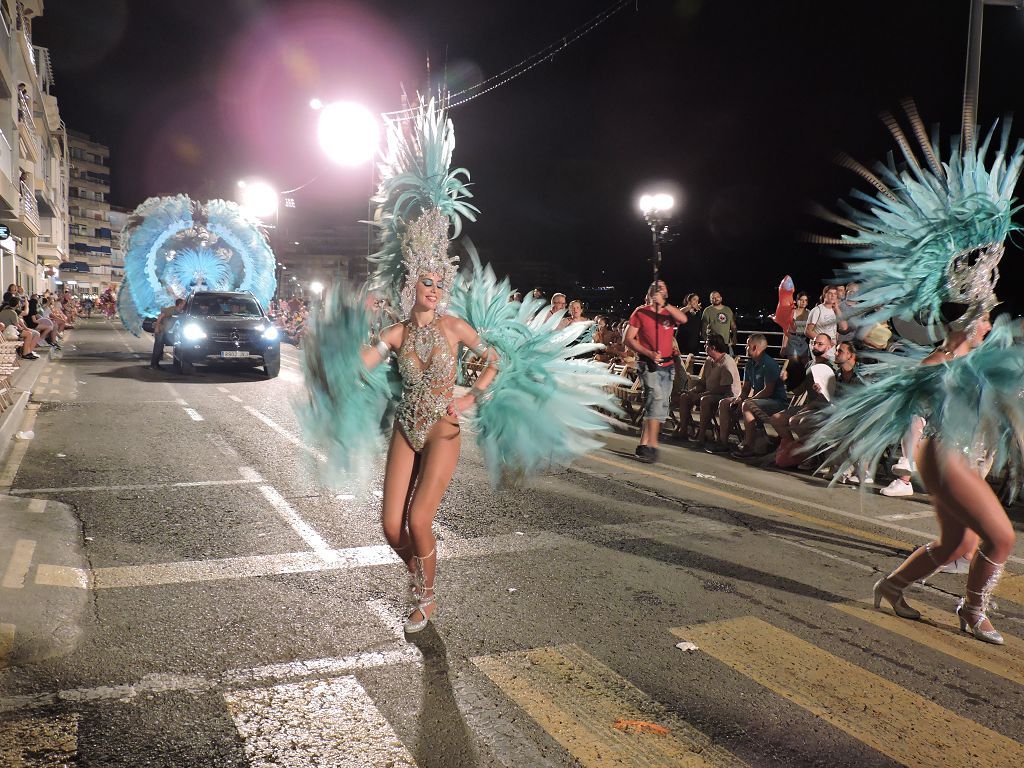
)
(225, 327)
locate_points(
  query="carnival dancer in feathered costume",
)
(174, 245)
(932, 238)
(533, 399)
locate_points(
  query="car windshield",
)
(233, 306)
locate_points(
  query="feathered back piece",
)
(419, 199)
(931, 233)
(173, 245)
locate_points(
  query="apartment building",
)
(90, 267)
(33, 156)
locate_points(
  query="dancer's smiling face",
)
(429, 290)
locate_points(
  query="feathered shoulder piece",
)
(973, 403)
(420, 198)
(541, 410)
(931, 232)
(174, 245)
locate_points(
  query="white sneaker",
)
(903, 467)
(897, 488)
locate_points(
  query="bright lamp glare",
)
(258, 198)
(316, 286)
(315, 104)
(661, 202)
(347, 133)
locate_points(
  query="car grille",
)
(240, 335)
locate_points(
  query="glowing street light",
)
(658, 205)
(316, 287)
(347, 132)
(258, 198)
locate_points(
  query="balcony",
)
(28, 211)
(27, 127)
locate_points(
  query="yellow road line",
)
(899, 723)
(1011, 587)
(940, 631)
(579, 701)
(38, 741)
(20, 562)
(321, 722)
(817, 521)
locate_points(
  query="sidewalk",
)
(35, 622)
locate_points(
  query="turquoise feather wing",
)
(346, 403)
(541, 410)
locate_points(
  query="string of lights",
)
(521, 68)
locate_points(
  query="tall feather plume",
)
(910, 109)
(861, 170)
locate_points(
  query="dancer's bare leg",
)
(972, 500)
(400, 473)
(439, 459)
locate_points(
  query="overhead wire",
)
(521, 68)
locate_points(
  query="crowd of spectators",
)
(758, 400)
(37, 320)
(291, 316)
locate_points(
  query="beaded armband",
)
(383, 350)
(481, 395)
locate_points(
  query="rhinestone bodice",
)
(427, 367)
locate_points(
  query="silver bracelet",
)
(383, 350)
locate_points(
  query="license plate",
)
(234, 353)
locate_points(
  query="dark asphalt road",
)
(219, 607)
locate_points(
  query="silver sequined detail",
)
(971, 278)
(427, 367)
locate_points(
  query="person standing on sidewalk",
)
(651, 331)
(158, 332)
(719, 319)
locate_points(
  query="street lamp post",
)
(972, 75)
(656, 209)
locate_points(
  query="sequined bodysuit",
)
(427, 367)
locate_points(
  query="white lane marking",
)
(181, 401)
(37, 505)
(174, 392)
(20, 562)
(193, 414)
(194, 571)
(285, 433)
(226, 449)
(909, 515)
(44, 379)
(297, 524)
(236, 398)
(33, 742)
(250, 474)
(158, 683)
(225, 390)
(314, 723)
(289, 376)
(17, 455)
(139, 487)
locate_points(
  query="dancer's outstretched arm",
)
(390, 339)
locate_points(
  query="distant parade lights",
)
(348, 132)
(257, 198)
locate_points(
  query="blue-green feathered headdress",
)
(174, 245)
(416, 180)
(930, 236)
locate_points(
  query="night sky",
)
(742, 104)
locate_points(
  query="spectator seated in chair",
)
(793, 424)
(719, 378)
(763, 394)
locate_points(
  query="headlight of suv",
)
(193, 332)
(271, 334)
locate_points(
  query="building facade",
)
(33, 156)
(89, 269)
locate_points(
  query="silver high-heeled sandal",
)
(424, 599)
(973, 615)
(893, 594)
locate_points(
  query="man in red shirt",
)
(651, 330)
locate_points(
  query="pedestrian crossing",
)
(593, 714)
